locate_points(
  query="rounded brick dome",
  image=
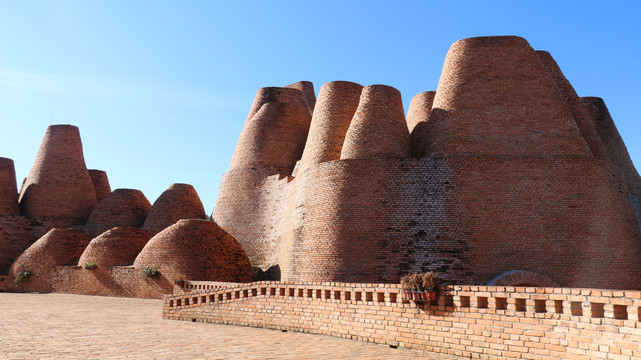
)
(114, 247)
(196, 250)
(57, 247)
(123, 207)
(179, 201)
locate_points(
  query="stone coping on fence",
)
(477, 321)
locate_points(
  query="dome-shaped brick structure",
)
(59, 184)
(100, 183)
(57, 247)
(196, 250)
(496, 97)
(275, 132)
(8, 189)
(123, 207)
(378, 128)
(417, 117)
(179, 201)
(115, 247)
(336, 105)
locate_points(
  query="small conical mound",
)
(115, 247)
(307, 88)
(336, 105)
(275, 132)
(196, 250)
(378, 128)
(496, 97)
(100, 183)
(8, 188)
(123, 207)
(417, 117)
(57, 247)
(179, 201)
(59, 184)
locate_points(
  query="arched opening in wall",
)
(522, 278)
(271, 274)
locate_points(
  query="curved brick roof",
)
(100, 183)
(59, 184)
(57, 247)
(336, 105)
(179, 201)
(496, 97)
(114, 247)
(8, 188)
(378, 128)
(196, 250)
(123, 207)
(275, 132)
(417, 117)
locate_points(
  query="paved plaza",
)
(58, 326)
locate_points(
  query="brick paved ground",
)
(57, 326)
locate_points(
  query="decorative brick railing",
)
(488, 322)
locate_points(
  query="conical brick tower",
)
(59, 185)
(179, 201)
(100, 183)
(378, 128)
(417, 117)
(8, 189)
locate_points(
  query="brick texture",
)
(123, 207)
(55, 248)
(179, 201)
(481, 322)
(8, 188)
(115, 247)
(100, 183)
(512, 177)
(59, 184)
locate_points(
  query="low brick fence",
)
(486, 322)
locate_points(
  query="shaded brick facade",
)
(515, 173)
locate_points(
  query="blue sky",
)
(160, 89)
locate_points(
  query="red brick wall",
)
(59, 184)
(480, 322)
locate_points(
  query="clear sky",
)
(160, 89)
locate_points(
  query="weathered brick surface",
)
(307, 88)
(59, 184)
(15, 237)
(275, 133)
(513, 179)
(483, 322)
(179, 201)
(100, 183)
(55, 248)
(8, 188)
(337, 103)
(417, 117)
(378, 128)
(615, 148)
(496, 97)
(195, 249)
(123, 207)
(115, 247)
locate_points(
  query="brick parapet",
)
(487, 322)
